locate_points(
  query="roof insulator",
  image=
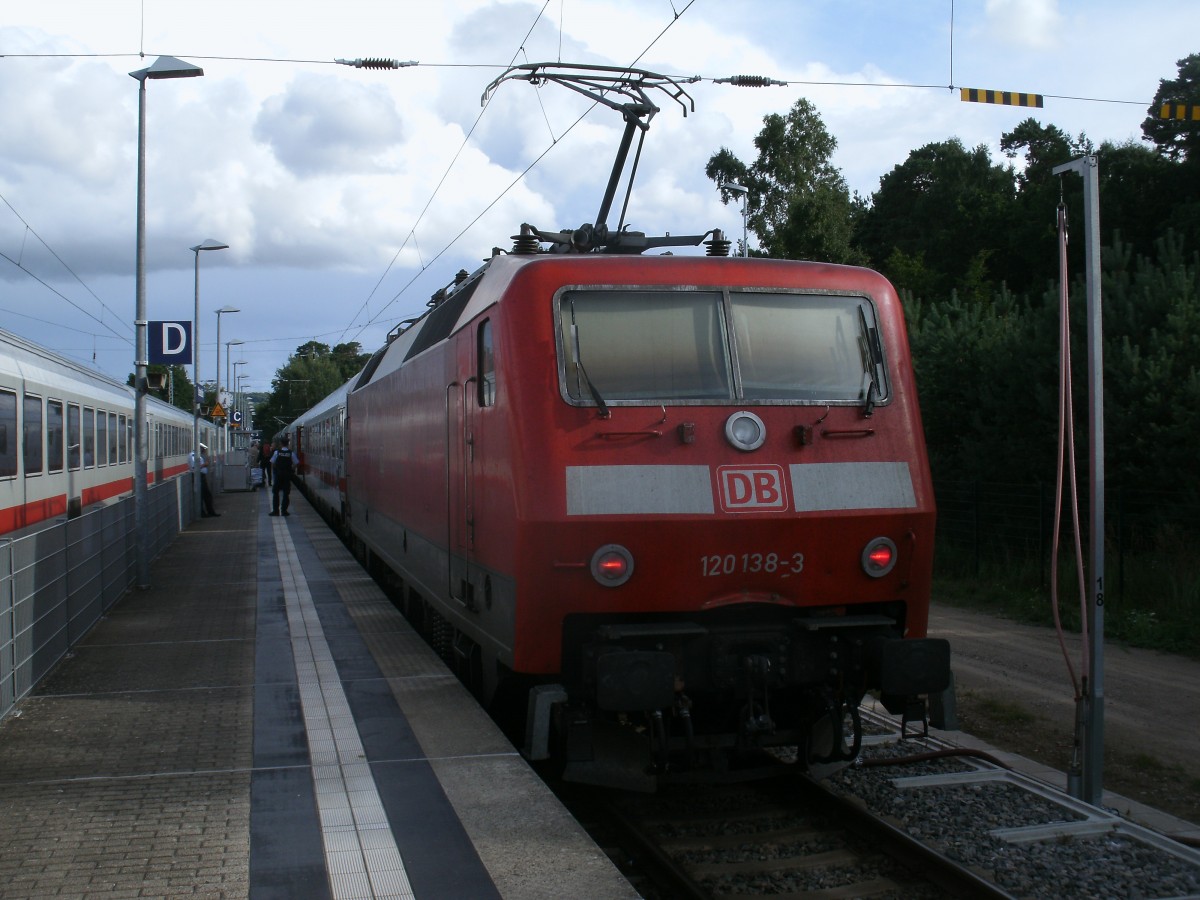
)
(526, 243)
(717, 245)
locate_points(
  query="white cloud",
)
(1026, 23)
(323, 125)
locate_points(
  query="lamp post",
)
(242, 381)
(228, 386)
(745, 192)
(217, 376)
(209, 244)
(232, 342)
(237, 381)
(163, 67)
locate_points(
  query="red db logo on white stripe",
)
(751, 488)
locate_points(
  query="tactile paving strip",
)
(360, 851)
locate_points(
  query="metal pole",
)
(745, 192)
(141, 516)
(196, 394)
(217, 376)
(1093, 726)
(745, 213)
(228, 412)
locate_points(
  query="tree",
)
(349, 358)
(799, 205)
(312, 373)
(177, 389)
(945, 206)
(1176, 139)
(1028, 259)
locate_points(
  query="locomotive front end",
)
(744, 534)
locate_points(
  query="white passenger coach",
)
(66, 437)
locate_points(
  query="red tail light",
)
(612, 565)
(879, 557)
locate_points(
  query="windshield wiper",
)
(873, 358)
(596, 398)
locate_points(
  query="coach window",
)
(101, 438)
(31, 433)
(54, 435)
(74, 436)
(112, 439)
(487, 366)
(8, 434)
(89, 437)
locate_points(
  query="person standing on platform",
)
(254, 464)
(282, 465)
(206, 501)
(264, 458)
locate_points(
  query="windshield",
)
(645, 345)
(682, 345)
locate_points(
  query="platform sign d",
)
(169, 343)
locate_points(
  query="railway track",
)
(783, 837)
(913, 819)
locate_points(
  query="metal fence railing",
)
(985, 524)
(57, 582)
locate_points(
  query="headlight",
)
(745, 430)
(879, 557)
(612, 565)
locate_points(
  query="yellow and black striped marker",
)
(1006, 98)
(1189, 112)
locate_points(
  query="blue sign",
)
(169, 343)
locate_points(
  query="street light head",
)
(225, 309)
(234, 341)
(209, 244)
(167, 67)
(736, 188)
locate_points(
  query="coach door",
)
(473, 390)
(458, 470)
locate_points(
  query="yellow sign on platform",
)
(218, 412)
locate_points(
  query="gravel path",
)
(1144, 690)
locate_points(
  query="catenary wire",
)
(519, 178)
(437, 188)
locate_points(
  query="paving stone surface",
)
(126, 773)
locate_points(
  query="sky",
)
(348, 196)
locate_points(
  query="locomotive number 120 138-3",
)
(782, 564)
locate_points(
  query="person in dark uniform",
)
(282, 465)
(206, 501)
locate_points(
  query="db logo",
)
(751, 488)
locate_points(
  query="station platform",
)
(261, 722)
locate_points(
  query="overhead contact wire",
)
(520, 177)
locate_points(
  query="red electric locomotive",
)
(690, 493)
(666, 507)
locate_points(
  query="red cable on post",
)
(1066, 454)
